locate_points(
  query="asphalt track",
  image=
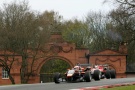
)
(68, 86)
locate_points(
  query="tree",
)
(51, 21)
(127, 5)
(91, 33)
(97, 26)
(20, 33)
(26, 33)
(6, 62)
(75, 31)
(123, 23)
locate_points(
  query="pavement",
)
(105, 86)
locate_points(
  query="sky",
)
(68, 8)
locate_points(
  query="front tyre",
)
(97, 75)
(87, 77)
(57, 77)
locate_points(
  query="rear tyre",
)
(107, 74)
(97, 75)
(87, 77)
(113, 74)
(57, 77)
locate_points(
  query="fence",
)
(46, 77)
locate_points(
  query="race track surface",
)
(67, 86)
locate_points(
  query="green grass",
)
(132, 87)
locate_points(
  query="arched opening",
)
(52, 66)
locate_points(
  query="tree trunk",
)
(23, 71)
(11, 79)
(23, 75)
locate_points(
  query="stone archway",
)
(54, 57)
(52, 65)
(60, 50)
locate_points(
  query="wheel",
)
(97, 75)
(107, 74)
(87, 77)
(57, 77)
(113, 74)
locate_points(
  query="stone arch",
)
(54, 57)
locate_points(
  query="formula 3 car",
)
(77, 74)
(104, 71)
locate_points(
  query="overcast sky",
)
(68, 8)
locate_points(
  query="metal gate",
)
(46, 77)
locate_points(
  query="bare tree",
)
(123, 23)
(98, 23)
(6, 62)
(20, 33)
(127, 5)
(26, 33)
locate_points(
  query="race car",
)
(104, 71)
(77, 73)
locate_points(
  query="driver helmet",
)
(76, 67)
(88, 68)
